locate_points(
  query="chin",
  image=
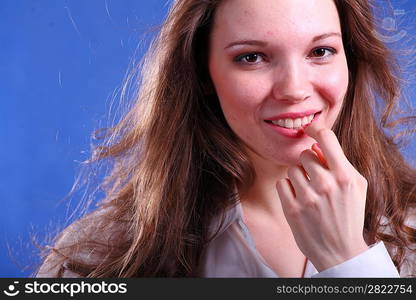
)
(290, 159)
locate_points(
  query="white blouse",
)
(232, 253)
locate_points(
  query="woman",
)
(217, 171)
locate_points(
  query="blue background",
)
(62, 64)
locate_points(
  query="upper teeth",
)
(294, 123)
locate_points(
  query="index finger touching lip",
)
(329, 144)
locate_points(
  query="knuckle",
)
(324, 133)
(305, 154)
(310, 204)
(362, 180)
(343, 180)
(324, 188)
(293, 212)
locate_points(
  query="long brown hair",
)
(176, 162)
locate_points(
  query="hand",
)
(324, 202)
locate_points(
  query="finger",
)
(304, 172)
(311, 162)
(299, 180)
(286, 192)
(329, 144)
(319, 154)
(287, 195)
(313, 167)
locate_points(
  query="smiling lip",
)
(293, 115)
(291, 132)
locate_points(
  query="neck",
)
(262, 197)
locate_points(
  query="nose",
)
(291, 82)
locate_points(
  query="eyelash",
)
(239, 58)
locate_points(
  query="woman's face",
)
(269, 58)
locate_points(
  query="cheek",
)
(333, 86)
(239, 95)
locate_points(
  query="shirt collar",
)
(231, 215)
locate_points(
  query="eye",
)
(249, 58)
(321, 51)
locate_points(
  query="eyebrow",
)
(262, 43)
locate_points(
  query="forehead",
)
(297, 18)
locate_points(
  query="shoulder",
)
(83, 242)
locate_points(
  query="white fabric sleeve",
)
(374, 262)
